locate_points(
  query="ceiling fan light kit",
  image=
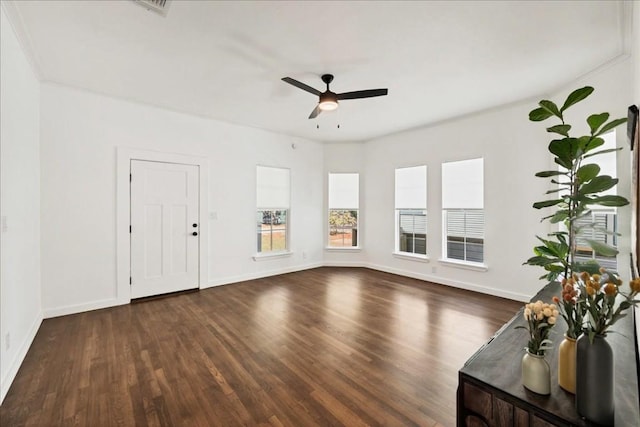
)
(327, 100)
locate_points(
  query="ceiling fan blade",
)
(315, 112)
(363, 94)
(301, 85)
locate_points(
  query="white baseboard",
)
(346, 264)
(19, 358)
(453, 283)
(259, 275)
(80, 308)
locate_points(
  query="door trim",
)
(123, 210)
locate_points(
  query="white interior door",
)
(165, 228)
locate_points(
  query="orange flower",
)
(556, 300)
(566, 297)
(568, 288)
(596, 278)
(610, 289)
(635, 285)
(584, 276)
(590, 291)
(595, 285)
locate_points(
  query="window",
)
(463, 210)
(272, 191)
(411, 210)
(601, 226)
(343, 209)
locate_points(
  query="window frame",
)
(340, 203)
(460, 202)
(410, 196)
(274, 200)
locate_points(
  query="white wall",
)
(514, 149)
(512, 153)
(20, 293)
(80, 135)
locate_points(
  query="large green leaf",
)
(608, 150)
(576, 96)
(602, 248)
(547, 203)
(591, 267)
(540, 261)
(597, 185)
(588, 143)
(539, 114)
(560, 129)
(551, 107)
(596, 120)
(566, 149)
(547, 174)
(564, 163)
(612, 124)
(588, 172)
(610, 201)
(559, 216)
(555, 190)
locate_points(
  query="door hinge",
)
(130, 281)
(130, 177)
(129, 229)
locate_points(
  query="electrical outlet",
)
(7, 341)
(434, 270)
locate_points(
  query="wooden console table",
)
(490, 391)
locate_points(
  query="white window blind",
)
(465, 223)
(411, 188)
(463, 184)
(272, 185)
(344, 190)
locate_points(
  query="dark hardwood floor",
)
(329, 346)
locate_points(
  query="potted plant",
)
(578, 186)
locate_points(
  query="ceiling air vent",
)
(158, 6)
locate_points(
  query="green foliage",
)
(579, 187)
(341, 219)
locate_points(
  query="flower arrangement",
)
(570, 307)
(540, 319)
(600, 295)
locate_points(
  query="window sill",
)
(272, 255)
(410, 256)
(342, 248)
(476, 266)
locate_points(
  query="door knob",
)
(195, 225)
(195, 233)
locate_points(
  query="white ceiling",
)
(225, 59)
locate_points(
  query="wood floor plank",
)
(322, 347)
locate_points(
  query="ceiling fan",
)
(329, 100)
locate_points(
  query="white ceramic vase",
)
(536, 375)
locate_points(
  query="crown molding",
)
(17, 24)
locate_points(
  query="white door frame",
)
(123, 210)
